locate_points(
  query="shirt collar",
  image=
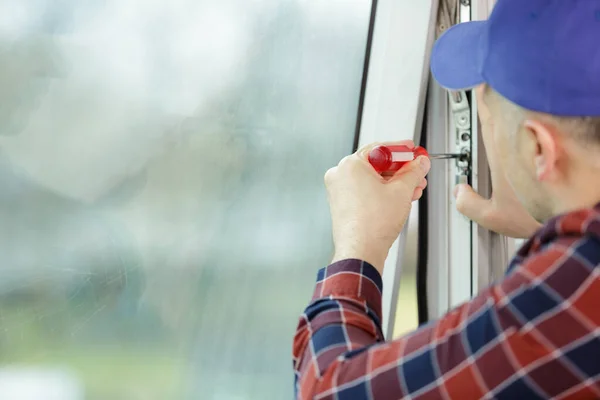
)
(576, 223)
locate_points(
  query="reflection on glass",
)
(162, 208)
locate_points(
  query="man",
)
(536, 333)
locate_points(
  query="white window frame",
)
(450, 244)
(394, 98)
(462, 257)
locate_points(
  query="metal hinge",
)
(461, 111)
(449, 14)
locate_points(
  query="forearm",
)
(343, 317)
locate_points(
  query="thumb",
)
(412, 174)
(471, 204)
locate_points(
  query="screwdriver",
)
(389, 159)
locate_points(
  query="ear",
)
(546, 149)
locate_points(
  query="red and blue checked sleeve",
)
(509, 342)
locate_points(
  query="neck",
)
(583, 191)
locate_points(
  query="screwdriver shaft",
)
(444, 156)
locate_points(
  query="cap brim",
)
(457, 54)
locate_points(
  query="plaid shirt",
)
(534, 335)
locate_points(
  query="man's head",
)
(536, 64)
(551, 161)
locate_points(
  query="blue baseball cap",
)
(543, 55)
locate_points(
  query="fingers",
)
(354, 165)
(329, 175)
(413, 173)
(419, 190)
(509, 221)
(472, 205)
(364, 151)
(418, 194)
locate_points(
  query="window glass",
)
(406, 318)
(162, 208)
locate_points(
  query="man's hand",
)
(503, 212)
(368, 211)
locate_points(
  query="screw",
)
(465, 137)
(465, 158)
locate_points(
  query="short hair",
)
(584, 129)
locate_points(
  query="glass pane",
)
(162, 208)
(406, 318)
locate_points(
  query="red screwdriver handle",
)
(392, 158)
